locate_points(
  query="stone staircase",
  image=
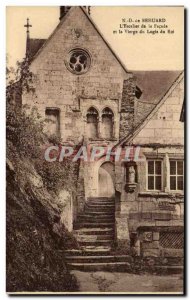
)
(95, 233)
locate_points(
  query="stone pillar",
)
(123, 240)
(81, 189)
(167, 173)
(122, 215)
(100, 127)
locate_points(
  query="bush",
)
(35, 233)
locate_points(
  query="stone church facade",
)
(86, 94)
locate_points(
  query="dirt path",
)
(125, 282)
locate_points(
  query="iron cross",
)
(27, 25)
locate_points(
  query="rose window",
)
(79, 61)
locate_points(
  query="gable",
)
(164, 126)
(104, 79)
(82, 25)
(154, 85)
(57, 86)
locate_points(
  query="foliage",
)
(25, 133)
(35, 233)
(24, 130)
(58, 175)
(35, 256)
(21, 75)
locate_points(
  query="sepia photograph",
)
(95, 171)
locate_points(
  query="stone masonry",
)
(140, 214)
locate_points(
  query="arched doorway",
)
(106, 180)
(92, 123)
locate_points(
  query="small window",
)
(92, 123)
(107, 123)
(154, 175)
(176, 175)
(52, 121)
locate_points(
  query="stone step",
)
(99, 217)
(94, 237)
(99, 250)
(99, 258)
(104, 210)
(94, 231)
(96, 243)
(100, 213)
(95, 220)
(100, 199)
(101, 202)
(93, 225)
(112, 205)
(109, 266)
(93, 247)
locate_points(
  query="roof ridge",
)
(52, 34)
(104, 39)
(95, 27)
(152, 112)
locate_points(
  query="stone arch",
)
(106, 186)
(107, 123)
(92, 118)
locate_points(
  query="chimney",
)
(63, 11)
(127, 107)
(87, 9)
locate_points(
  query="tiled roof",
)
(142, 107)
(35, 45)
(154, 85)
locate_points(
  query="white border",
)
(3, 5)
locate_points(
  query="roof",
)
(105, 41)
(154, 85)
(157, 102)
(36, 45)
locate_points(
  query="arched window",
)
(52, 121)
(107, 123)
(92, 123)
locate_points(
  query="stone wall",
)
(80, 191)
(161, 138)
(165, 126)
(145, 211)
(66, 204)
(152, 242)
(57, 87)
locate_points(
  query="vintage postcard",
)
(95, 150)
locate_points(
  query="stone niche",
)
(131, 177)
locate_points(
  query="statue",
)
(131, 174)
(131, 184)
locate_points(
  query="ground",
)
(125, 282)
